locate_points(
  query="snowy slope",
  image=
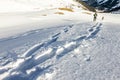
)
(45, 45)
(33, 12)
(32, 5)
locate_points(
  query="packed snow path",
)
(55, 54)
(51, 49)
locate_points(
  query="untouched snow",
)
(31, 5)
(42, 45)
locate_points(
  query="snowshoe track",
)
(31, 59)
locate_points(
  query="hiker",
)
(95, 16)
(102, 18)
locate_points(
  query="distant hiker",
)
(95, 16)
(102, 18)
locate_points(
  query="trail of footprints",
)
(31, 60)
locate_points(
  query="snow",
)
(101, 1)
(45, 53)
(42, 45)
(31, 5)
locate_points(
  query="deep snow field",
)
(39, 43)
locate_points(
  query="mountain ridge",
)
(105, 5)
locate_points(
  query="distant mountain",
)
(106, 5)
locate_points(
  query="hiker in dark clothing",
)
(102, 18)
(95, 16)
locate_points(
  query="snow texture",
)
(59, 47)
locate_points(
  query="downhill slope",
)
(73, 51)
(46, 45)
(32, 5)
